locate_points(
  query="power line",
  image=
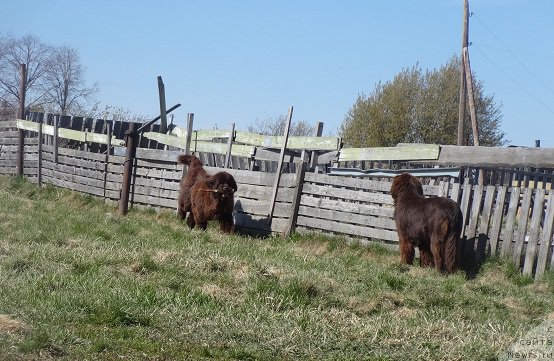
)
(514, 81)
(514, 56)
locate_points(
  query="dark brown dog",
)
(434, 225)
(195, 173)
(206, 197)
(213, 198)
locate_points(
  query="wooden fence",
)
(511, 221)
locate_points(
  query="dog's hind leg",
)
(425, 257)
(450, 252)
(407, 251)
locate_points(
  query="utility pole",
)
(463, 88)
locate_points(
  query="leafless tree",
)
(55, 76)
(64, 82)
(276, 126)
(26, 50)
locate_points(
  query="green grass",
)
(79, 282)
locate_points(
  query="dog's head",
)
(223, 184)
(405, 185)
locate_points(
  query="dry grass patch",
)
(10, 325)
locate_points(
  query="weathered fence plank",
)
(496, 222)
(522, 225)
(546, 239)
(510, 221)
(533, 235)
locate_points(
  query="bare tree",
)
(276, 126)
(26, 50)
(64, 82)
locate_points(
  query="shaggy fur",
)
(206, 197)
(213, 198)
(434, 225)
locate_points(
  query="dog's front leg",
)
(190, 221)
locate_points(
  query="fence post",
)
(56, 138)
(300, 173)
(21, 115)
(108, 149)
(279, 167)
(229, 146)
(130, 153)
(39, 165)
(313, 159)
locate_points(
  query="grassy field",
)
(77, 282)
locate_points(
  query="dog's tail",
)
(185, 159)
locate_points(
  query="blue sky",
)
(242, 60)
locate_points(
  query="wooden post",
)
(21, 115)
(188, 141)
(462, 101)
(279, 167)
(127, 169)
(163, 113)
(39, 165)
(300, 173)
(546, 239)
(107, 159)
(469, 81)
(229, 146)
(313, 158)
(56, 138)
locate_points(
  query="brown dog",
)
(195, 173)
(213, 198)
(434, 225)
(206, 197)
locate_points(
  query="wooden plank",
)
(523, 219)
(73, 186)
(471, 229)
(495, 156)
(74, 178)
(68, 133)
(259, 223)
(455, 192)
(484, 220)
(153, 182)
(153, 201)
(280, 165)
(75, 153)
(464, 206)
(359, 183)
(352, 195)
(293, 142)
(206, 135)
(300, 172)
(496, 222)
(546, 239)
(349, 229)
(238, 150)
(259, 208)
(264, 193)
(510, 221)
(347, 207)
(89, 173)
(531, 251)
(156, 192)
(8, 124)
(350, 218)
(406, 152)
(75, 162)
